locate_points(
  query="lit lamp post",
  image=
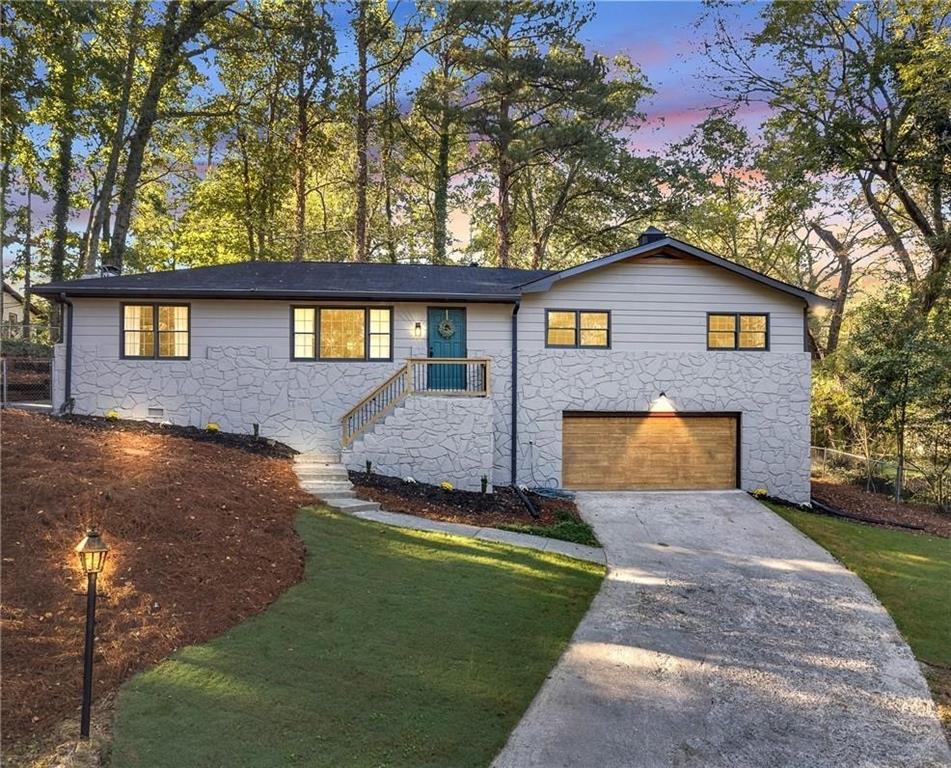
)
(92, 552)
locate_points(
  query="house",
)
(12, 303)
(659, 367)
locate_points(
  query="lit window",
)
(737, 331)
(305, 333)
(380, 334)
(577, 328)
(155, 330)
(341, 333)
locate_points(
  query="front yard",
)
(398, 648)
(910, 573)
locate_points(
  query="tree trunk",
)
(386, 160)
(363, 135)
(168, 60)
(841, 252)
(100, 226)
(300, 164)
(441, 188)
(64, 167)
(503, 221)
(27, 261)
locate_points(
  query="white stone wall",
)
(432, 439)
(300, 404)
(770, 390)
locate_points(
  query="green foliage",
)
(21, 348)
(345, 669)
(567, 527)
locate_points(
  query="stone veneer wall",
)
(300, 404)
(431, 439)
(771, 390)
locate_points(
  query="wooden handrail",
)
(439, 376)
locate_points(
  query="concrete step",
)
(332, 495)
(314, 458)
(324, 489)
(353, 505)
(322, 473)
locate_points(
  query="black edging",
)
(821, 508)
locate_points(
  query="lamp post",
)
(92, 552)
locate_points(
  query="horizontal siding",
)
(267, 323)
(655, 305)
(663, 304)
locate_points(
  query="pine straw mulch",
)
(490, 509)
(880, 509)
(201, 534)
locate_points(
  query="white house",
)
(12, 306)
(660, 367)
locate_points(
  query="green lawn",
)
(910, 573)
(399, 648)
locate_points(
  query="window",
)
(155, 330)
(341, 333)
(577, 328)
(737, 331)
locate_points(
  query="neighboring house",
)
(11, 313)
(660, 367)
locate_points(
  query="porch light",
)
(92, 551)
(418, 330)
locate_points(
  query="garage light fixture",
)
(662, 404)
(418, 330)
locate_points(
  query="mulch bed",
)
(430, 501)
(880, 509)
(202, 537)
(259, 445)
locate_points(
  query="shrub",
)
(112, 415)
(212, 426)
(447, 486)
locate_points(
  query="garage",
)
(650, 451)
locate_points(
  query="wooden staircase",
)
(433, 376)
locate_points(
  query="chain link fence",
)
(877, 474)
(26, 381)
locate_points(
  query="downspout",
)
(514, 457)
(68, 374)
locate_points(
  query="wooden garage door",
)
(649, 452)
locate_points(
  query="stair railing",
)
(438, 376)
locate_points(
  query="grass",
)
(566, 527)
(399, 648)
(910, 574)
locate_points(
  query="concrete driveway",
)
(724, 637)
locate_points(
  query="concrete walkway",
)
(542, 543)
(724, 637)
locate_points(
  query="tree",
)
(521, 76)
(180, 27)
(860, 89)
(897, 361)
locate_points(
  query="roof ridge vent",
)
(651, 235)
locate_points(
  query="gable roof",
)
(545, 282)
(310, 280)
(18, 297)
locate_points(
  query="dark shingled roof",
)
(310, 280)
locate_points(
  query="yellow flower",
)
(112, 415)
(212, 426)
(447, 486)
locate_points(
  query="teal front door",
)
(447, 338)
